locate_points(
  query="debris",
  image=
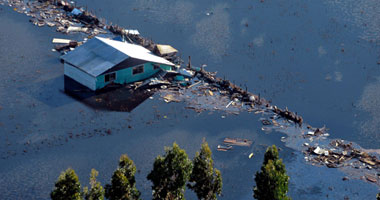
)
(266, 122)
(209, 92)
(229, 104)
(76, 12)
(61, 41)
(186, 72)
(371, 178)
(170, 98)
(154, 81)
(237, 141)
(250, 155)
(193, 84)
(76, 29)
(368, 161)
(224, 148)
(131, 32)
(88, 23)
(66, 47)
(164, 50)
(288, 115)
(310, 133)
(321, 151)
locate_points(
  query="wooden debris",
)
(238, 141)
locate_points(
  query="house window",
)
(156, 66)
(109, 77)
(138, 70)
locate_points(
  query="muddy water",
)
(317, 58)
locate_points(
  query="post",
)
(189, 64)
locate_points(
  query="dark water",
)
(319, 58)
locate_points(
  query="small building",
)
(101, 61)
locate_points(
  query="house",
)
(101, 61)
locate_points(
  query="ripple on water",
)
(364, 14)
(370, 103)
(213, 32)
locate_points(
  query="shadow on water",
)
(46, 92)
(113, 97)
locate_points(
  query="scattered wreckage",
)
(202, 90)
(229, 142)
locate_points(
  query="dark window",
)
(138, 70)
(109, 77)
(156, 66)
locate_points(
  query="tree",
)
(123, 183)
(207, 181)
(170, 174)
(96, 191)
(271, 181)
(67, 187)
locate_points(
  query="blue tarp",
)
(76, 11)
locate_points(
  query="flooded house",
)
(102, 61)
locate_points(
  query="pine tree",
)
(170, 174)
(207, 181)
(67, 187)
(96, 191)
(271, 181)
(123, 183)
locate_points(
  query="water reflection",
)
(213, 31)
(370, 103)
(162, 11)
(361, 13)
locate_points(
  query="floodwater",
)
(319, 58)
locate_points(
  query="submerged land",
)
(52, 130)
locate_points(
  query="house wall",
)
(125, 75)
(80, 76)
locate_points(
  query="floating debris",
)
(170, 98)
(61, 41)
(224, 148)
(342, 154)
(201, 89)
(237, 141)
(250, 155)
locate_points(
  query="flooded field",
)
(319, 58)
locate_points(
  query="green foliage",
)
(170, 174)
(96, 191)
(67, 187)
(123, 184)
(207, 181)
(271, 181)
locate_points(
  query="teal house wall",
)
(124, 76)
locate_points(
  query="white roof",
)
(135, 51)
(101, 54)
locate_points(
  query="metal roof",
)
(135, 51)
(101, 54)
